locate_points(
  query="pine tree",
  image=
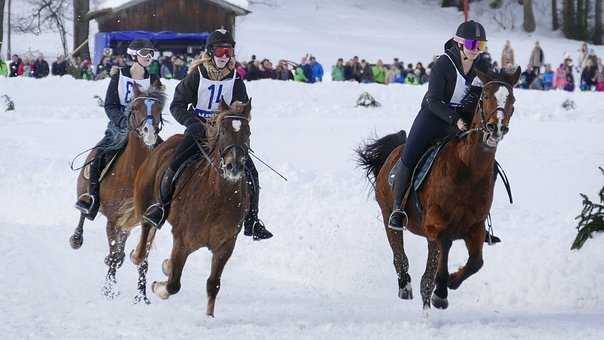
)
(591, 219)
(598, 32)
(555, 23)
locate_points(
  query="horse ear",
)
(223, 105)
(515, 77)
(247, 110)
(136, 90)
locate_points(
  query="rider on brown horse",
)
(450, 101)
(197, 98)
(119, 94)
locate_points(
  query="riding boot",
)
(157, 213)
(88, 203)
(252, 225)
(398, 218)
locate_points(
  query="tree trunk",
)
(80, 27)
(555, 22)
(569, 26)
(529, 16)
(1, 23)
(598, 26)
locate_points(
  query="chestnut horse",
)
(144, 124)
(456, 197)
(210, 202)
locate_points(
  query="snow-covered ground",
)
(327, 273)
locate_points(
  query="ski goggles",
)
(145, 53)
(472, 44)
(222, 52)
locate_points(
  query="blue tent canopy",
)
(108, 39)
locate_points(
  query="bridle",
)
(244, 148)
(488, 128)
(139, 128)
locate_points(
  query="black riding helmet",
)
(471, 30)
(138, 45)
(219, 37)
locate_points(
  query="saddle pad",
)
(422, 169)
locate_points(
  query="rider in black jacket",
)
(196, 98)
(119, 95)
(449, 102)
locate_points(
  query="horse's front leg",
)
(474, 243)
(439, 298)
(173, 268)
(116, 240)
(427, 283)
(219, 260)
(141, 295)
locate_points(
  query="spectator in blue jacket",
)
(548, 78)
(317, 70)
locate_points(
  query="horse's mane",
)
(156, 91)
(236, 109)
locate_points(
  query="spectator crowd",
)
(587, 68)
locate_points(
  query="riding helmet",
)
(219, 37)
(139, 44)
(471, 30)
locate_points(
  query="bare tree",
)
(1, 23)
(46, 15)
(81, 27)
(529, 16)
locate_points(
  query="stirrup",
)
(150, 221)
(405, 221)
(82, 209)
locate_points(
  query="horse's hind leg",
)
(427, 284)
(177, 260)
(474, 243)
(77, 238)
(219, 260)
(137, 255)
(439, 298)
(401, 262)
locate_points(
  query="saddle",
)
(108, 164)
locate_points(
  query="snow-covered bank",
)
(327, 274)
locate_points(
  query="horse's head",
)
(229, 138)
(145, 112)
(496, 106)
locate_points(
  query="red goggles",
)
(223, 52)
(472, 44)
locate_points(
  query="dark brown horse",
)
(209, 205)
(144, 125)
(456, 197)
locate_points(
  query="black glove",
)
(196, 130)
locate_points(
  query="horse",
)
(210, 202)
(456, 196)
(144, 124)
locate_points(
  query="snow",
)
(101, 4)
(327, 273)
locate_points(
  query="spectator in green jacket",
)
(3, 68)
(337, 71)
(379, 73)
(299, 75)
(154, 68)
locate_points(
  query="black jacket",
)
(41, 69)
(113, 106)
(443, 77)
(185, 96)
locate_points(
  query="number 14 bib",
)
(210, 93)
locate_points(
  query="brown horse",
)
(456, 197)
(144, 125)
(209, 205)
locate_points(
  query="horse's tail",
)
(373, 155)
(127, 213)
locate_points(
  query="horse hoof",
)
(140, 298)
(133, 259)
(159, 288)
(110, 292)
(166, 267)
(76, 241)
(406, 293)
(438, 302)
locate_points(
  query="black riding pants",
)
(426, 130)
